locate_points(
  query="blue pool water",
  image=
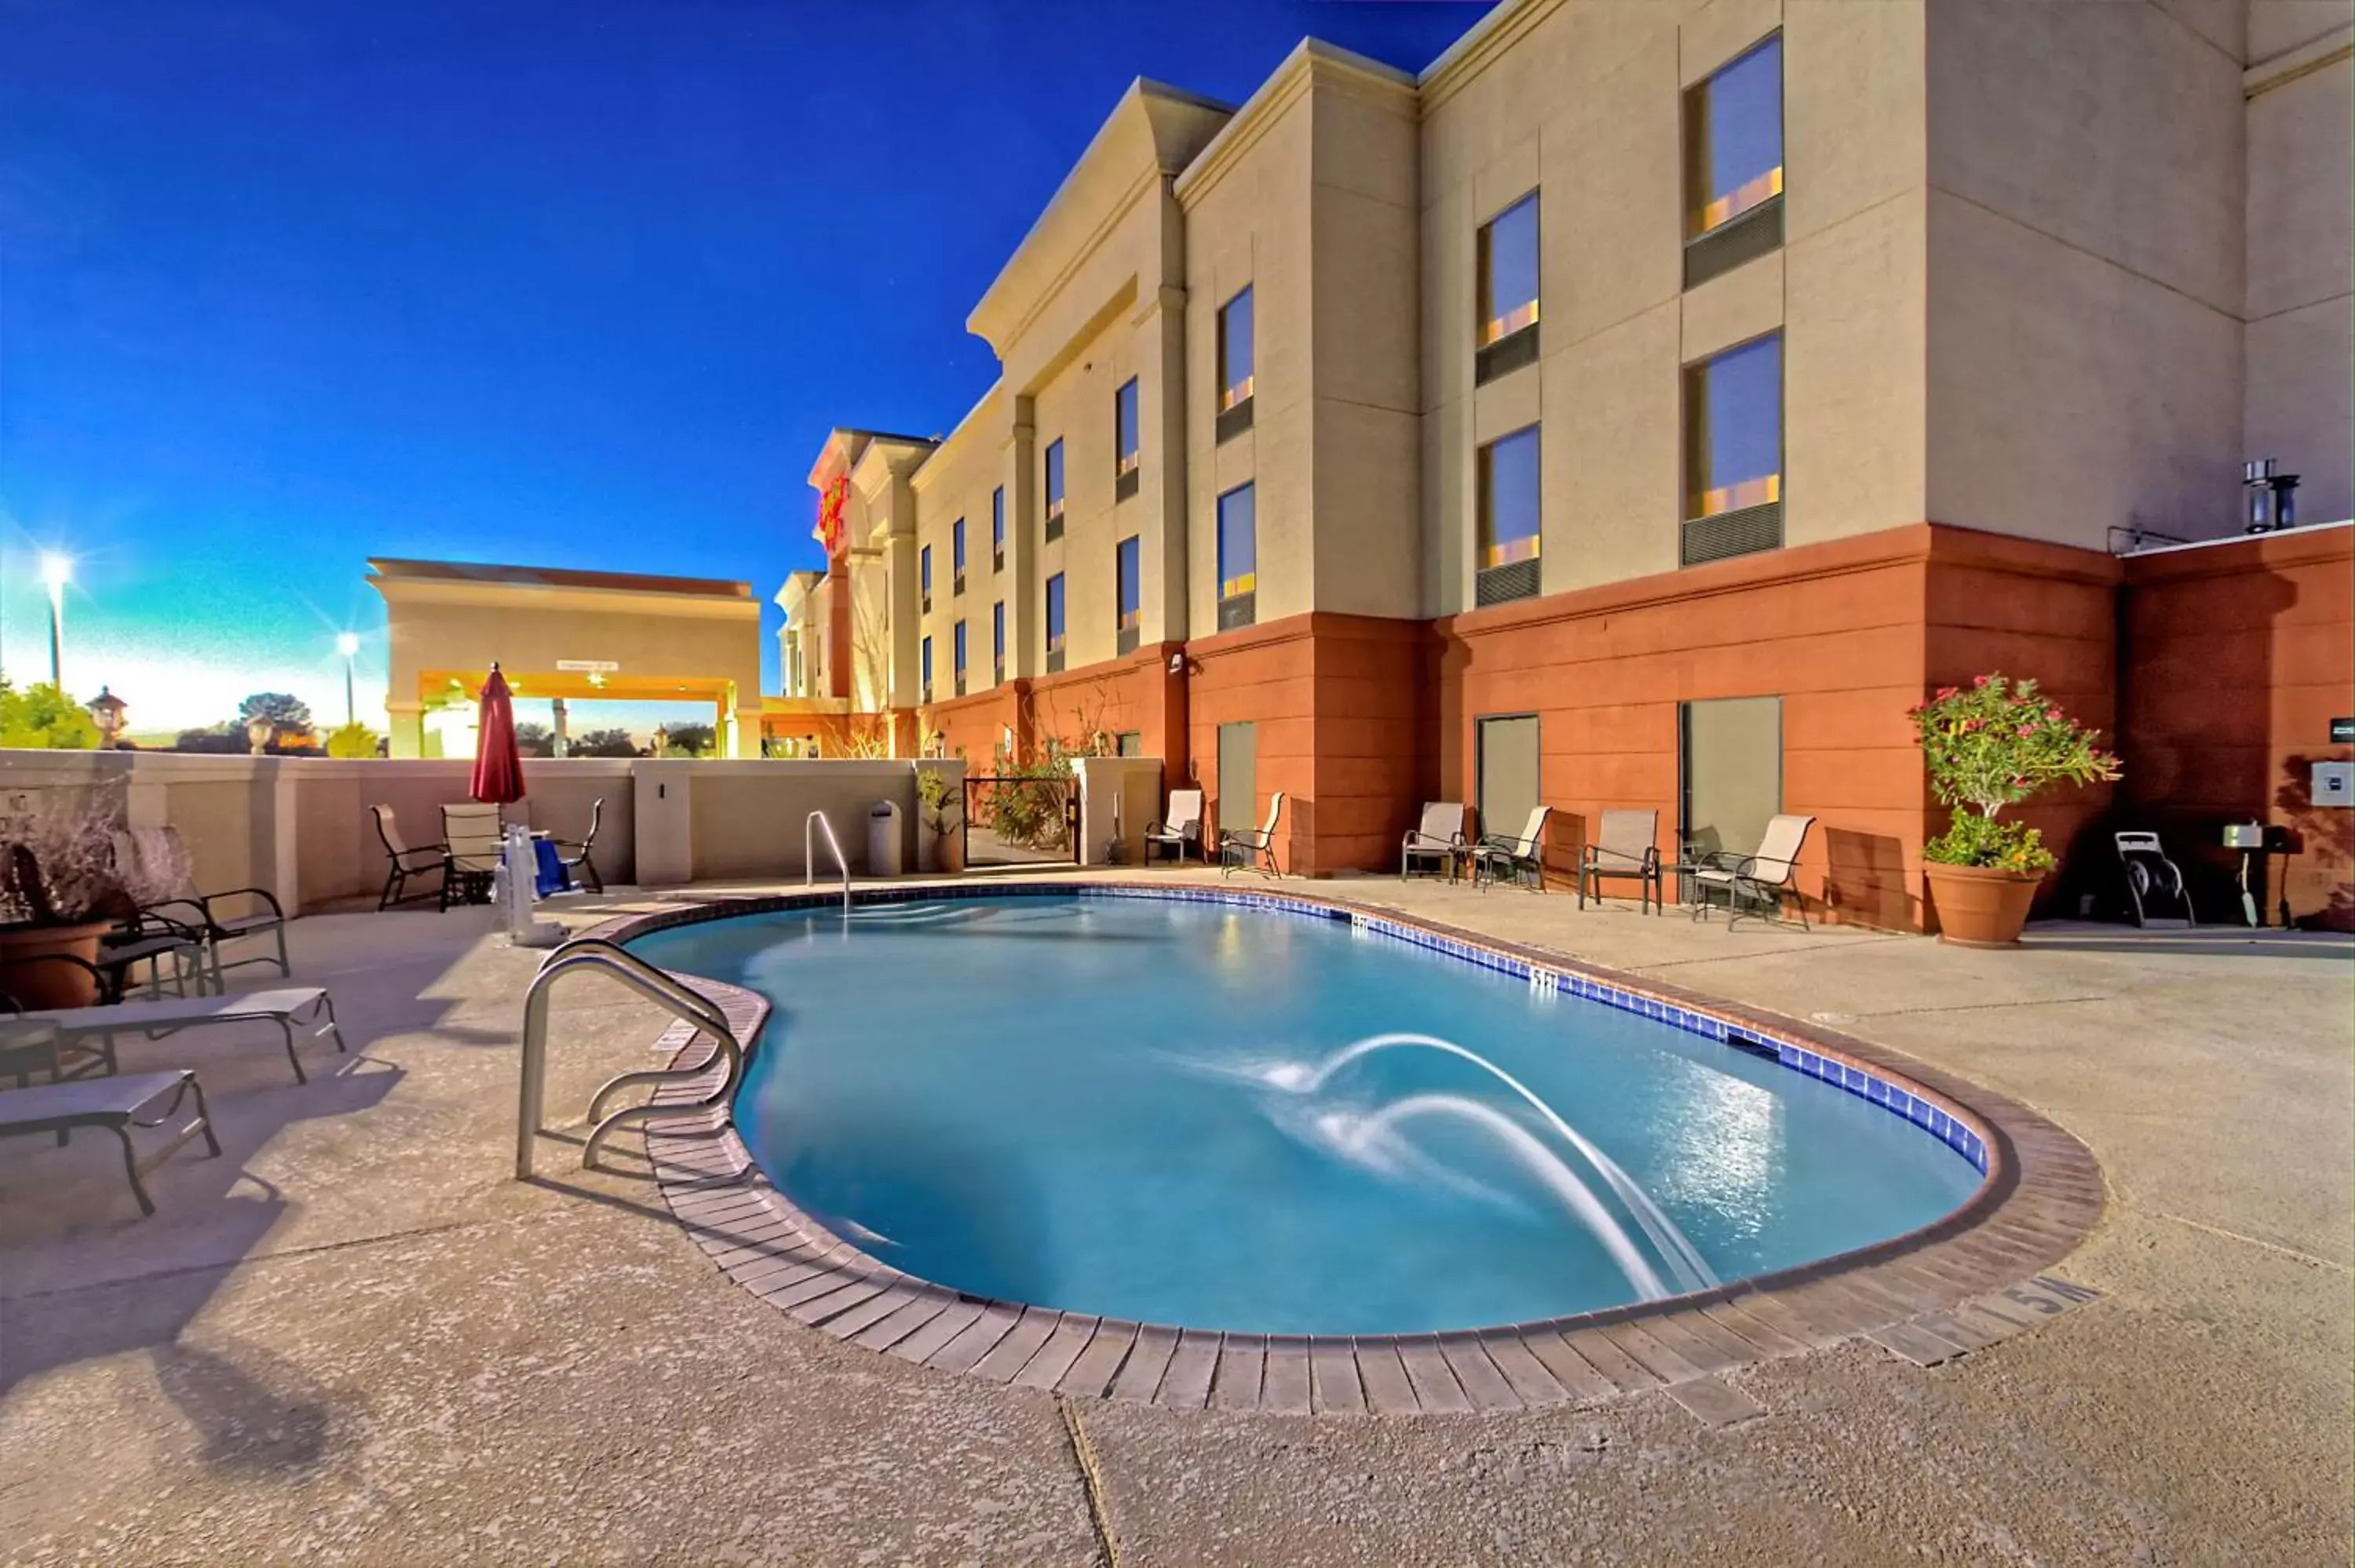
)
(1149, 1109)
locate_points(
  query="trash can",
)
(883, 840)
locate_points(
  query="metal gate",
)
(1020, 820)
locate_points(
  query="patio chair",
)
(1184, 827)
(146, 937)
(204, 916)
(1439, 836)
(403, 861)
(117, 1105)
(471, 842)
(1496, 855)
(578, 862)
(94, 1028)
(1760, 879)
(1251, 848)
(1627, 845)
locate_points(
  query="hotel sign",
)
(588, 667)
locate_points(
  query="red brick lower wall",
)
(1136, 693)
(2241, 655)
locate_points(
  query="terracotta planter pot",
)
(38, 986)
(1980, 906)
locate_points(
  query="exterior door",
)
(1237, 805)
(1508, 783)
(1733, 770)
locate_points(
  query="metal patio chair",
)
(1183, 828)
(1438, 836)
(1496, 855)
(1760, 879)
(208, 916)
(1251, 848)
(471, 844)
(1627, 845)
(578, 861)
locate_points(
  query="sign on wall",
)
(588, 667)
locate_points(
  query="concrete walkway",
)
(355, 1338)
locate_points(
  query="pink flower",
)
(1970, 725)
(1981, 679)
(1945, 691)
(2025, 731)
(2053, 713)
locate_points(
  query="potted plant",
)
(940, 821)
(1993, 743)
(61, 890)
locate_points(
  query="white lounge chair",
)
(1626, 844)
(1438, 836)
(1251, 848)
(1496, 855)
(307, 1007)
(1184, 827)
(1759, 879)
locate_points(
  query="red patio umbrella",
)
(499, 765)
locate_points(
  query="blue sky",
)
(284, 286)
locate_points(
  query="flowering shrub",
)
(1993, 743)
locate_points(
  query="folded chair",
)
(1514, 859)
(1439, 836)
(470, 853)
(1759, 880)
(1626, 845)
(1251, 848)
(576, 863)
(1184, 827)
(402, 861)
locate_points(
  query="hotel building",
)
(1644, 406)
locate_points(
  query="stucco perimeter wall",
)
(2243, 654)
(2088, 177)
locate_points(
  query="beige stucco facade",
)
(625, 637)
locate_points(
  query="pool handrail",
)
(809, 860)
(657, 985)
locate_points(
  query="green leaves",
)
(1993, 743)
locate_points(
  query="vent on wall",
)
(1505, 355)
(1234, 421)
(1495, 585)
(1743, 533)
(1127, 643)
(1235, 611)
(1054, 661)
(1728, 246)
(1054, 528)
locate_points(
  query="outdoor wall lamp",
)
(106, 713)
(1181, 665)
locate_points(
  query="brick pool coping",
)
(1964, 1281)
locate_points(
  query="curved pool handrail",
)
(655, 985)
(814, 820)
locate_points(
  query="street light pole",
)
(348, 645)
(56, 571)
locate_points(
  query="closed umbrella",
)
(499, 765)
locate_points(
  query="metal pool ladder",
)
(657, 986)
(814, 820)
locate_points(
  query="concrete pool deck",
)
(355, 1338)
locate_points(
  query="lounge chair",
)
(405, 861)
(578, 862)
(187, 912)
(1760, 879)
(471, 842)
(308, 1007)
(1439, 836)
(1251, 848)
(117, 1105)
(1184, 827)
(1496, 855)
(1627, 845)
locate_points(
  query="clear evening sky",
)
(284, 286)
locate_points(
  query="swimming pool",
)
(1236, 1117)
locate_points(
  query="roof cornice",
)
(1479, 48)
(1312, 64)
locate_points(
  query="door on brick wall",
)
(1507, 758)
(1731, 761)
(1237, 806)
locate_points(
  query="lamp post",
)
(56, 571)
(347, 644)
(106, 713)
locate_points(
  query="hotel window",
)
(997, 643)
(1238, 558)
(1125, 441)
(1130, 600)
(1733, 453)
(1508, 291)
(998, 529)
(959, 667)
(1508, 519)
(924, 576)
(926, 673)
(1235, 365)
(1054, 490)
(1054, 623)
(956, 555)
(1733, 164)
